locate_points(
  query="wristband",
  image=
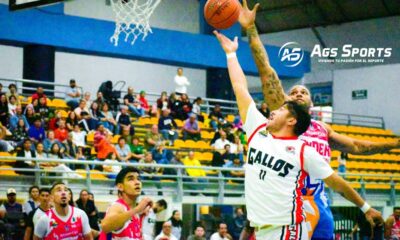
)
(365, 207)
(231, 55)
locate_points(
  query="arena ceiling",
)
(282, 15)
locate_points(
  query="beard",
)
(63, 205)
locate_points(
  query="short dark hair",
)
(121, 175)
(302, 116)
(219, 224)
(162, 203)
(56, 184)
(44, 190)
(33, 187)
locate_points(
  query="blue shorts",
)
(325, 226)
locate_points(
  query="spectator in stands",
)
(40, 153)
(148, 159)
(86, 97)
(11, 212)
(61, 133)
(66, 172)
(56, 152)
(50, 140)
(78, 136)
(94, 111)
(72, 120)
(237, 148)
(184, 107)
(153, 137)
(196, 109)
(107, 118)
(100, 99)
(14, 119)
(177, 159)
(163, 101)
(133, 104)
(392, 225)
(137, 151)
(181, 82)
(160, 209)
(39, 94)
(167, 126)
(20, 132)
(33, 201)
(12, 105)
(80, 108)
(190, 160)
(34, 216)
(172, 103)
(166, 232)
(88, 206)
(222, 233)
(12, 91)
(148, 109)
(177, 224)
(237, 123)
(160, 154)
(222, 157)
(123, 150)
(43, 109)
(111, 167)
(70, 148)
(264, 110)
(199, 234)
(216, 117)
(191, 128)
(235, 163)
(73, 95)
(124, 121)
(3, 110)
(221, 142)
(53, 122)
(35, 105)
(87, 122)
(102, 142)
(71, 198)
(342, 162)
(30, 115)
(28, 153)
(238, 222)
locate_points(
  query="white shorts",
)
(288, 232)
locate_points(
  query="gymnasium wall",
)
(10, 62)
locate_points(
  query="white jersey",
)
(275, 173)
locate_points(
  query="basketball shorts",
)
(288, 232)
(319, 218)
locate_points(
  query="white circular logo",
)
(291, 54)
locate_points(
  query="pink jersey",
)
(317, 137)
(71, 229)
(395, 233)
(132, 229)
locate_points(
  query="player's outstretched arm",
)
(356, 146)
(339, 185)
(272, 89)
(236, 74)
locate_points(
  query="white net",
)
(132, 18)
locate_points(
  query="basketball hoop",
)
(132, 18)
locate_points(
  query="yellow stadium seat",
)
(6, 160)
(179, 143)
(190, 144)
(8, 171)
(90, 137)
(207, 156)
(59, 103)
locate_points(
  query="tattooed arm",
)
(271, 86)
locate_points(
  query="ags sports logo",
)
(291, 54)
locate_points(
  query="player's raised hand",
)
(374, 217)
(228, 45)
(144, 205)
(247, 17)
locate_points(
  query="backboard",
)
(23, 4)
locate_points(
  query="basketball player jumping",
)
(123, 219)
(319, 135)
(278, 162)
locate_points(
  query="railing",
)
(348, 119)
(176, 183)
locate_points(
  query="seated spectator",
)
(177, 159)
(61, 133)
(167, 126)
(264, 110)
(53, 122)
(86, 97)
(222, 157)
(12, 217)
(221, 142)
(70, 148)
(94, 111)
(36, 131)
(4, 110)
(30, 114)
(190, 160)
(199, 234)
(39, 94)
(102, 142)
(35, 105)
(26, 152)
(172, 103)
(12, 91)
(73, 95)
(12, 105)
(33, 201)
(227, 128)
(66, 172)
(222, 233)
(177, 224)
(133, 104)
(148, 109)
(137, 151)
(72, 120)
(124, 121)
(184, 107)
(43, 109)
(148, 159)
(89, 207)
(216, 117)
(111, 167)
(20, 133)
(107, 118)
(100, 99)
(191, 128)
(87, 122)
(160, 154)
(153, 137)
(15, 118)
(235, 163)
(196, 109)
(125, 133)
(237, 148)
(78, 136)
(163, 101)
(80, 108)
(40, 153)
(50, 140)
(56, 152)
(123, 150)
(166, 232)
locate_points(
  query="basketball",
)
(222, 14)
